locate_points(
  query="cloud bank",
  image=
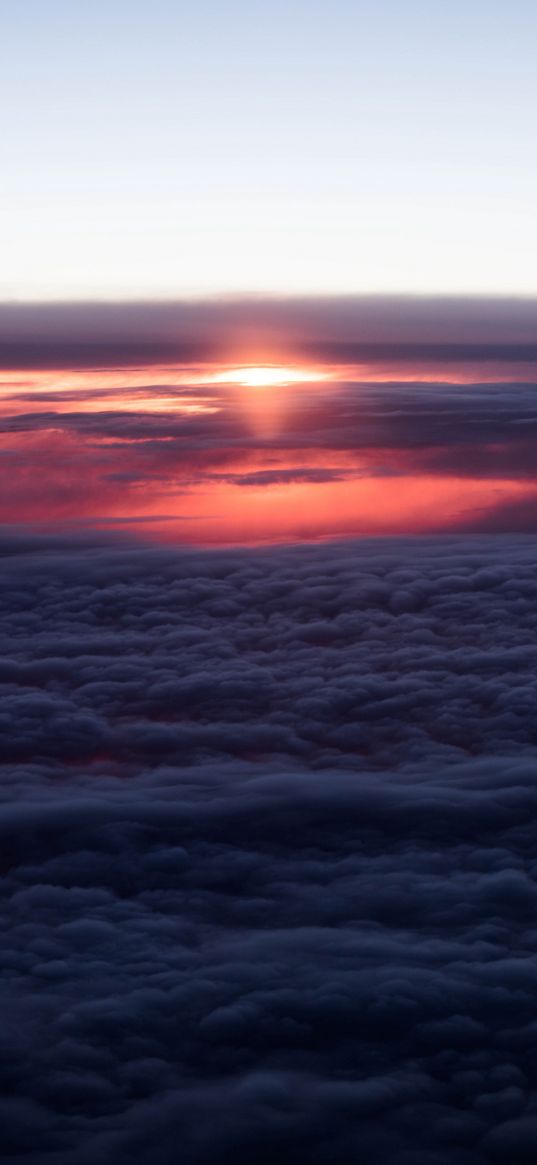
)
(269, 879)
(342, 329)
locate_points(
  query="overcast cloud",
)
(268, 853)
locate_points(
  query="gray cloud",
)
(339, 329)
(267, 826)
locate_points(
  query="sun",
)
(266, 375)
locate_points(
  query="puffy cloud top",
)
(269, 875)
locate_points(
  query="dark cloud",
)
(356, 351)
(483, 420)
(505, 517)
(100, 353)
(270, 477)
(269, 879)
(339, 329)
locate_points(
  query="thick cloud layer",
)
(269, 869)
(341, 329)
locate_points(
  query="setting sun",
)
(267, 375)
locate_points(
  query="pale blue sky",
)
(168, 148)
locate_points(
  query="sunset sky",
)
(268, 582)
(253, 421)
(343, 194)
(195, 189)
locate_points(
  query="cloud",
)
(438, 421)
(267, 826)
(286, 476)
(504, 517)
(338, 329)
(473, 447)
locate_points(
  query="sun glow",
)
(267, 376)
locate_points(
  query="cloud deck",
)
(268, 852)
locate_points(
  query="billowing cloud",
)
(268, 852)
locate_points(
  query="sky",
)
(173, 149)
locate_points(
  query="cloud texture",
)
(269, 874)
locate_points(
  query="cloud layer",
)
(342, 329)
(345, 456)
(269, 877)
